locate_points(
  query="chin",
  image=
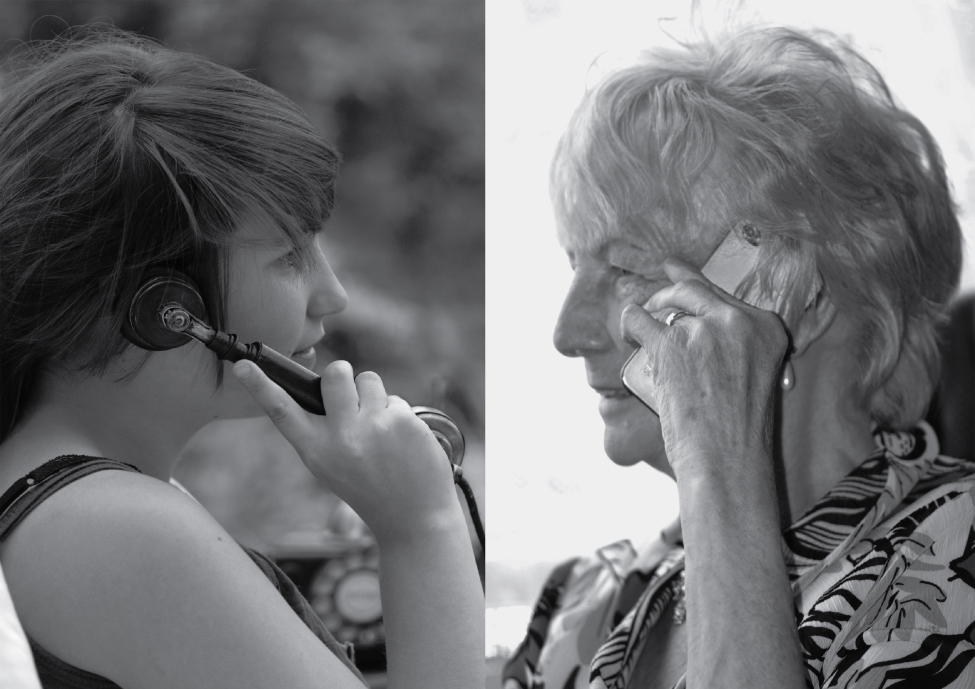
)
(637, 441)
(620, 451)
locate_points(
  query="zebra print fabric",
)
(882, 570)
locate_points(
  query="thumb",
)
(284, 412)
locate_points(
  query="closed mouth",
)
(613, 393)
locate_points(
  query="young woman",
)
(117, 157)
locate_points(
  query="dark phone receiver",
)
(167, 311)
(729, 264)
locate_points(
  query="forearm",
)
(433, 609)
(741, 624)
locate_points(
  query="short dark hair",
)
(808, 145)
(116, 155)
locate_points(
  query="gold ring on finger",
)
(675, 316)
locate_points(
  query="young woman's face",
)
(277, 299)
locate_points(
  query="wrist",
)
(426, 526)
(738, 473)
(719, 501)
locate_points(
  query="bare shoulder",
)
(126, 576)
(109, 518)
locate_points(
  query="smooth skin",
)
(124, 575)
(740, 477)
(433, 611)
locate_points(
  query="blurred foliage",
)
(399, 88)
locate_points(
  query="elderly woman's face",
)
(610, 274)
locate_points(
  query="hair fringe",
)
(117, 154)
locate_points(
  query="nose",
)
(581, 327)
(328, 296)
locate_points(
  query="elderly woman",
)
(822, 540)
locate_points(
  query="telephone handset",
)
(167, 311)
(728, 266)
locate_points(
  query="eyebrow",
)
(628, 253)
(617, 245)
(619, 249)
(264, 244)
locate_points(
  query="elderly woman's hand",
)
(712, 373)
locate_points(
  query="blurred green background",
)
(398, 87)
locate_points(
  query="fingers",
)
(339, 393)
(638, 325)
(679, 270)
(397, 402)
(372, 393)
(692, 296)
(283, 411)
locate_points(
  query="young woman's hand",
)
(372, 450)
(369, 448)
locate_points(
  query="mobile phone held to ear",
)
(728, 266)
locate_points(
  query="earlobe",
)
(814, 321)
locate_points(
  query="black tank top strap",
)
(54, 673)
(31, 490)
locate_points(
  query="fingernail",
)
(242, 370)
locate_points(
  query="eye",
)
(622, 272)
(293, 260)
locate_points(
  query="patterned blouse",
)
(883, 578)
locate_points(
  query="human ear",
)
(815, 319)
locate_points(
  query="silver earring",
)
(788, 376)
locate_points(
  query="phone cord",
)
(465, 488)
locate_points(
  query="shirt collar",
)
(871, 493)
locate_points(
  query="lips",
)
(306, 357)
(613, 393)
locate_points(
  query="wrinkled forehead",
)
(593, 212)
(581, 235)
(653, 234)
